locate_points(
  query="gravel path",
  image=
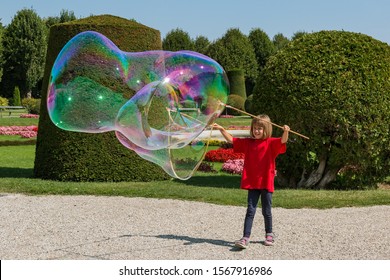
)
(89, 227)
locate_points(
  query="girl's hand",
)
(217, 126)
(228, 137)
(286, 129)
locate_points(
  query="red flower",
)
(222, 155)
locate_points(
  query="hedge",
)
(72, 156)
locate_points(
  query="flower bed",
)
(23, 131)
(29, 116)
(222, 155)
(239, 127)
(233, 166)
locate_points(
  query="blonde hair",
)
(262, 121)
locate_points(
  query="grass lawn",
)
(16, 176)
(18, 121)
(238, 121)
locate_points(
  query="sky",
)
(212, 18)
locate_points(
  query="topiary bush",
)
(71, 156)
(237, 102)
(32, 105)
(16, 97)
(248, 105)
(333, 86)
(237, 82)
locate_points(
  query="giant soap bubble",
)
(157, 102)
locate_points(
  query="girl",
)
(258, 174)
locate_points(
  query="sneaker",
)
(242, 243)
(269, 239)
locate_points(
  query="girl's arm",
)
(223, 131)
(286, 129)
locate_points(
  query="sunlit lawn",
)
(16, 175)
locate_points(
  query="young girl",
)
(258, 174)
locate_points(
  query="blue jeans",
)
(266, 204)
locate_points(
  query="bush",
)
(70, 156)
(3, 101)
(16, 97)
(333, 86)
(206, 167)
(237, 102)
(248, 105)
(237, 82)
(32, 105)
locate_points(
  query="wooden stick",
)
(274, 124)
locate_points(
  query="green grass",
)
(18, 121)
(16, 176)
(226, 122)
(15, 113)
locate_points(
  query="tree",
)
(334, 87)
(24, 52)
(234, 51)
(16, 97)
(280, 41)
(177, 40)
(298, 34)
(262, 46)
(1, 49)
(201, 44)
(65, 16)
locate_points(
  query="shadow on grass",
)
(214, 181)
(16, 172)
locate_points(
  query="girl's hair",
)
(262, 121)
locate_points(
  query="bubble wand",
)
(274, 124)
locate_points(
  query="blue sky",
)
(212, 18)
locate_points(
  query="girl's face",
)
(258, 132)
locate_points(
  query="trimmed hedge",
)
(333, 86)
(237, 82)
(237, 102)
(71, 156)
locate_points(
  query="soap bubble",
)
(158, 102)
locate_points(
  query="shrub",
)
(227, 145)
(32, 105)
(215, 142)
(333, 86)
(237, 82)
(3, 101)
(16, 97)
(237, 102)
(206, 167)
(248, 105)
(71, 156)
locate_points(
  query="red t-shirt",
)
(259, 161)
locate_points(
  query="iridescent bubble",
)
(158, 102)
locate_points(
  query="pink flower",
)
(23, 131)
(34, 116)
(233, 166)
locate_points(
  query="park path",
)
(92, 227)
